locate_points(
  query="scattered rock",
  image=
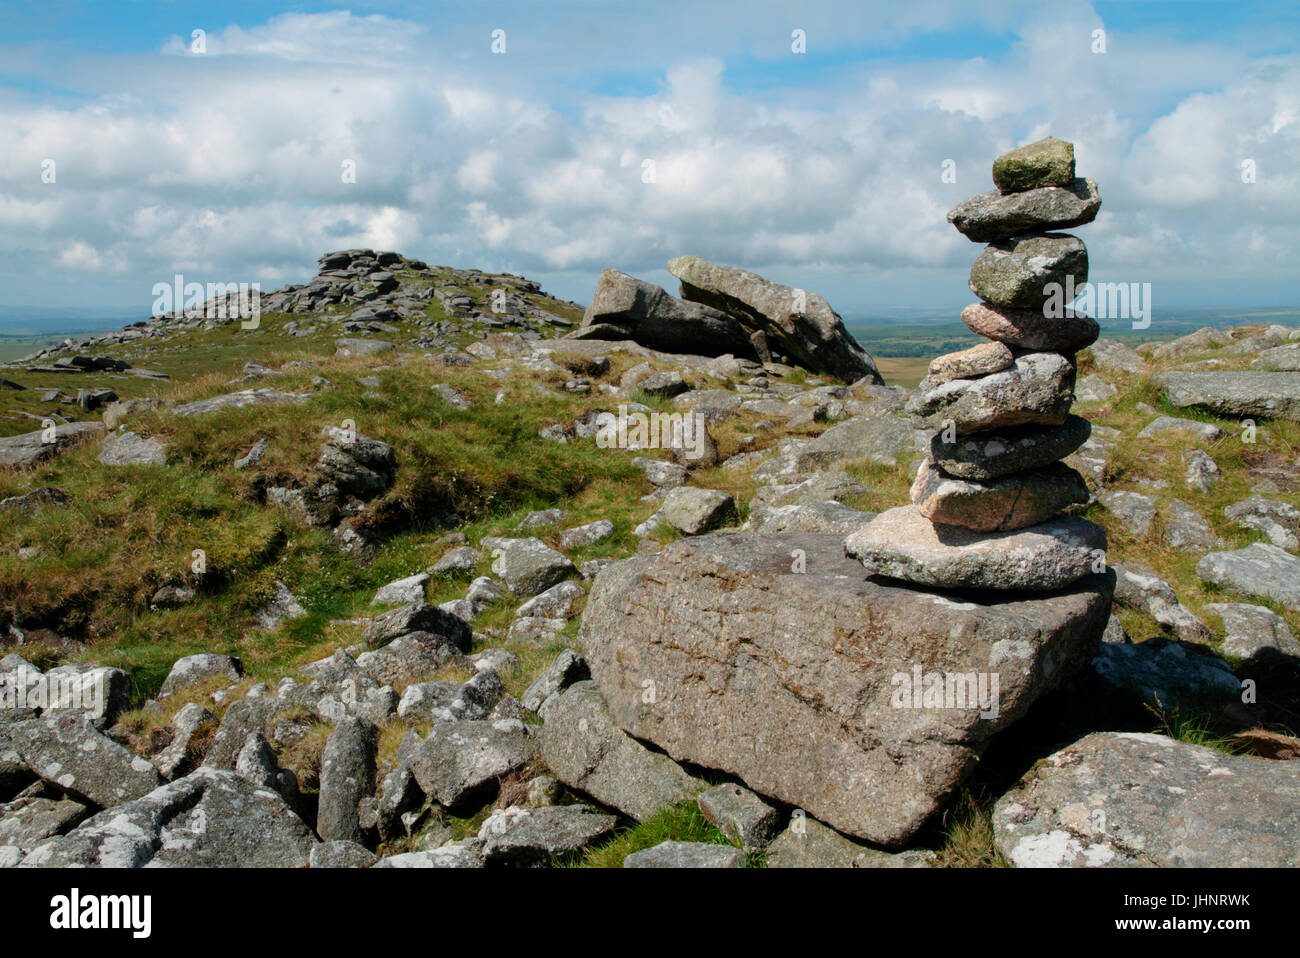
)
(238, 400)
(349, 348)
(254, 455)
(1165, 674)
(459, 759)
(556, 602)
(661, 472)
(26, 822)
(347, 775)
(1278, 521)
(663, 385)
(807, 843)
(1187, 530)
(528, 566)
(171, 597)
(460, 559)
(542, 519)
(1196, 807)
(586, 535)
(1252, 629)
(1140, 589)
(409, 658)
(1259, 569)
(1205, 431)
(523, 836)
(1241, 394)
(45, 496)
(283, 606)
(407, 591)
(30, 448)
(1092, 388)
(419, 617)
(694, 510)
(568, 668)
(1202, 471)
(1134, 511)
(741, 815)
(686, 855)
(1113, 357)
(190, 728)
(468, 854)
(585, 749)
(341, 855)
(193, 669)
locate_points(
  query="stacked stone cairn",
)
(987, 503)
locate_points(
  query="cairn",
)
(987, 502)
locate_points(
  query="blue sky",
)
(821, 169)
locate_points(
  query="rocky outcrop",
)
(720, 653)
(794, 322)
(623, 307)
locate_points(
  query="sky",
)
(621, 135)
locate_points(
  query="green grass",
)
(679, 823)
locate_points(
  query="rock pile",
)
(986, 503)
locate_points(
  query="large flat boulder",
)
(795, 322)
(716, 651)
(1244, 393)
(1135, 799)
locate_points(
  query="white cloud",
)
(235, 167)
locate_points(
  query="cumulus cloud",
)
(232, 164)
